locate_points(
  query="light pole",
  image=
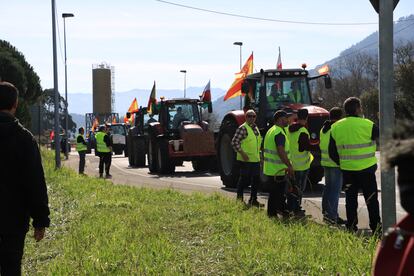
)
(185, 79)
(238, 43)
(55, 88)
(64, 16)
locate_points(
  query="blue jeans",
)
(294, 198)
(331, 192)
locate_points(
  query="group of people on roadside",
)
(103, 150)
(347, 147)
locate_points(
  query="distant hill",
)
(403, 33)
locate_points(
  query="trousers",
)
(11, 253)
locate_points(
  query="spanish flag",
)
(235, 89)
(152, 100)
(133, 107)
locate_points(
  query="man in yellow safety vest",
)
(276, 164)
(247, 142)
(301, 158)
(352, 146)
(333, 174)
(104, 149)
(81, 148)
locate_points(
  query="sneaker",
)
(255, 203)
(108, 176)
(330, 221)
(340, 221)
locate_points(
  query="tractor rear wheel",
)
(165, 165)
(139, 151)
(152, 155)
(228, 166)
(130, 143)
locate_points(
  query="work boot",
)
(255, 203)
(109, 176)
(340, 221)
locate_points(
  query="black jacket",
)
(23, 192)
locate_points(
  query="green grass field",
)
(98, 229)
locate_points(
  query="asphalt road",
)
(186, 180)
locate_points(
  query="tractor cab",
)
(272, 90)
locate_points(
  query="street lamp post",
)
(238, 43)
(55, 88)
(64, 16)
(185, 80)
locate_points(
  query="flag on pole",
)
(279, 62)
(95, 124)
(206, 95)
(324, 70)
(152, 100)
(133, 108)
(235, 89)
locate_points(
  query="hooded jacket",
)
(23, 192)
(304, 141)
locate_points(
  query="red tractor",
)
(267, 92)
(178, 134)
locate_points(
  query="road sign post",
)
(386, 105)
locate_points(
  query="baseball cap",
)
(279, 114)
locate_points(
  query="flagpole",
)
(238, 43)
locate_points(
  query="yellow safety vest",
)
(295, 96)
(80, 146)
(100, 143)
(326, 161)
(272, 164)
(251, 145)
(353, 141)
(300, 160)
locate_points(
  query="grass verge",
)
(98, 229)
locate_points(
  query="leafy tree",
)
(15, 69)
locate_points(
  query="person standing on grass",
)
(104, 149)
(276, 164)
(246, 143)
(333, 174)
(352, 146)
(81, 148)
(301, 158)
(23, 192)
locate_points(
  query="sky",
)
(147, 40)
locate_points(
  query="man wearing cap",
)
(352, 146)
(247, 142)
(276, 164)
(301, 158)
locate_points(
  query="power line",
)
(271, 19)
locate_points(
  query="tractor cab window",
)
(286, 91)
(118, 129)
(180, 112)
(150, 118)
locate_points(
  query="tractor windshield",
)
(284, 91)
(118, 129)
(180, 112)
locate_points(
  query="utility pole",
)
(56, 90)
(385, 9)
